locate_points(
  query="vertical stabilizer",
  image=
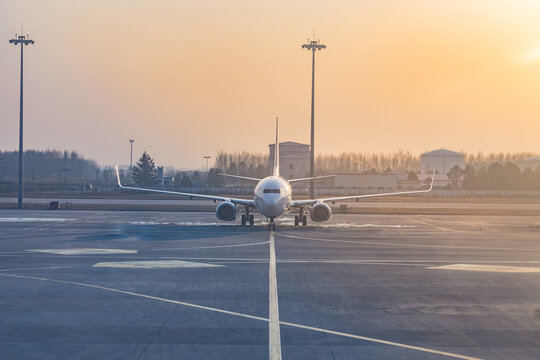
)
(276, 151)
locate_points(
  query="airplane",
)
(273, 197)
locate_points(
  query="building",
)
(532, 163)
(441, 161)
(366, 181)
(293, 159)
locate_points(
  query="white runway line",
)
(217, 246)
(412, 347)
(38, 268)
(437, 227)
(406, 245)
(391, 343)
(487, 268)
(26, 220)
(158, 264)
(273, 307)
(84, 251)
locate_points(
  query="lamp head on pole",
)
(313, 45)
(21, 39)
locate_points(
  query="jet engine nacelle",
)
(320, 212)
(226, 211)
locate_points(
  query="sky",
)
(187, 79)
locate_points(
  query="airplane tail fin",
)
(276, 151)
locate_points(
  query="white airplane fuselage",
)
(273, 196)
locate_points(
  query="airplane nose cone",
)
(272, 206)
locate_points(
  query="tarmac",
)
(163, 285)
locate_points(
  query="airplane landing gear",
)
(247, 218)
(271, 224)
(300, 218)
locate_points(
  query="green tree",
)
(454, 175)
(213, 178)
(145, 172)
(470, 178)
(186, 181)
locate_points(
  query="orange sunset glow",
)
(189, 78)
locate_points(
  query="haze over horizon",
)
(187, 79)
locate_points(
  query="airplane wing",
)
(354, 197)
(241, 177)
(310, 178)
(245, 202)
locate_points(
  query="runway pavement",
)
(158, 285)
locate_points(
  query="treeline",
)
(242, 163)
(355, 163)
(257, 164)
(48, 166)
(496, 176)
(480, 159)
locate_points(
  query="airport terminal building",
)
(293, 159)
(441, 161)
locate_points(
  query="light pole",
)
(21, 40)
(207, 158)
(131, 141)
(313, 46)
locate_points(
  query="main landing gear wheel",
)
(300, 218)
(247, 218)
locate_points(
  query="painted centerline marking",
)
(253, 317)
(273, 307)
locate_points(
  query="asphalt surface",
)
(411, 202)
(156, 285)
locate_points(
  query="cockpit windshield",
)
(271, 191)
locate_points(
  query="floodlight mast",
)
(207, 158)
(313, 46)
(131, 141)
(21, 40)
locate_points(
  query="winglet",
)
(276, 151)
(432, 181)
(118, 177)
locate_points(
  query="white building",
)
(365, 181)
(293, 159)
(441, 161)
(532, 163)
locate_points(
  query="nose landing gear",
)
(272, 224)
